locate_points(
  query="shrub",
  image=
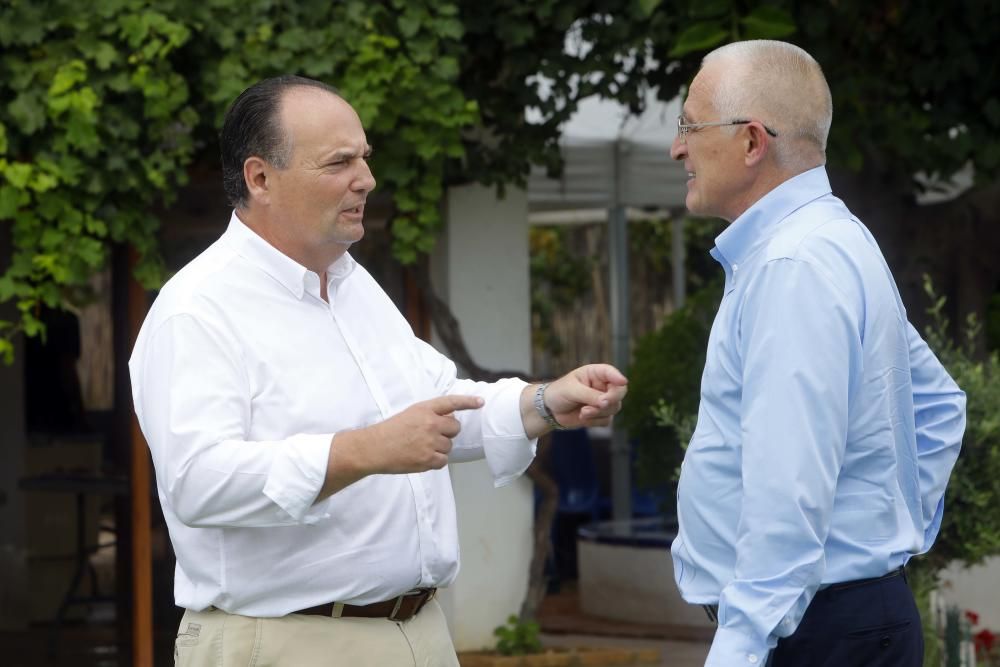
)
(970, 529)
(666, 371)
(517, 637)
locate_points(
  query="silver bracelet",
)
(543, 410)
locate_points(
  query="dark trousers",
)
(867, 623)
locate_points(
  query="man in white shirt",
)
(299, 431)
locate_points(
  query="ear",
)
(255, 175)
(756, 144)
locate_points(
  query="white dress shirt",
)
(241, 376)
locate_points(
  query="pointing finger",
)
(445, 405)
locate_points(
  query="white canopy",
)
(612, 158)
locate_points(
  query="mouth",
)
(691, 177)
(355, 213)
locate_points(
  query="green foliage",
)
(97, 130)
(907, 88)
(665, 374)
(517, 637)
(109, 107)
(970, 528)
(664, 386)
(716, 23)
(558, 279)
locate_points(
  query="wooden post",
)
(415, 308)
(139, 475)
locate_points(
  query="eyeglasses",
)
(683, 128)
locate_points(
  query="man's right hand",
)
(415, 440)
(419, 437)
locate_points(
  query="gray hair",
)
(780, 85)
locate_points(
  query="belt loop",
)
(338, 610)
(712, 611)
(395, 609)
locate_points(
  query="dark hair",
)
(252, 127)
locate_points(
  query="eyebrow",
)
(347, 153)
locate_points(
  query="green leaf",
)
(28, 111)
(451, 28)
(409, 24)
(647, 7)
(446, 69)
(104, 55)
(767, 22)
(7, 350)
(67, 76)
(699, 37)
(10, 200)
(18, 174)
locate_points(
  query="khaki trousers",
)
(217, 639)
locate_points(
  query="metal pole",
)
(621, 460)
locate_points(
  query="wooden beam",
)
(139, 474)
(415, 307)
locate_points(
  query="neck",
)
(766, 181)
(316, 258)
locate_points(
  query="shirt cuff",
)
(297, 474)
(732, 648)
(507, 448)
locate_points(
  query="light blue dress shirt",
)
(827, 428)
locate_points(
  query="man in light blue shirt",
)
(827, 429)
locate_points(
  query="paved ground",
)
(564, 625)
(675, 653)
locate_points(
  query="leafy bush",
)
(664, 379)
(970, 529)
(517, 637)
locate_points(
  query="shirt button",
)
(752, 658)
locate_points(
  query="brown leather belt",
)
(401, 608)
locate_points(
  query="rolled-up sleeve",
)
(193, 401)
(494, 432)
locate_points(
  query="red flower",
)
(984, 641)
(973, 617)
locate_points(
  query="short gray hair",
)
(780, 85)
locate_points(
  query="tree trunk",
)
(545, 516)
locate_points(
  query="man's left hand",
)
(588, 396)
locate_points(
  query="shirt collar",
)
(759, 222)
(253, 248)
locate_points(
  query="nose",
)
(364, 180)
(678, 149)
